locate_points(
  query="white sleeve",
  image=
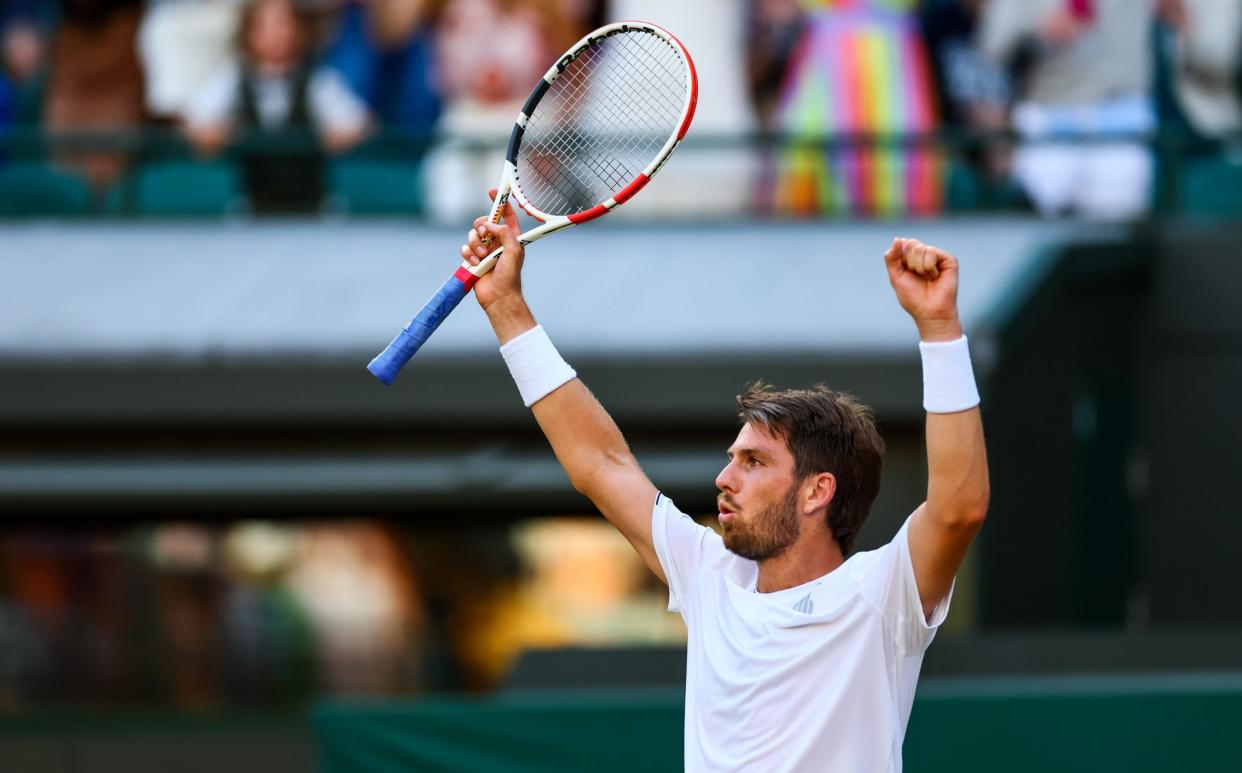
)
(888, 583)
(216, 101)
(683, 548)
(334, 105)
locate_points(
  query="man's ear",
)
(818, 491)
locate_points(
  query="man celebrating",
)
(800, 656)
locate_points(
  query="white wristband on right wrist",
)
(948, 379)
(537, 368)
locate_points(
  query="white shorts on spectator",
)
(1083, 174)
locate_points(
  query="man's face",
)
(758, 495)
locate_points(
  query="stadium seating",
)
(180, 188)
(374, 186)
(37, 189)
(967, 191)
(1212, 186)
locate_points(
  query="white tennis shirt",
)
(819, 677)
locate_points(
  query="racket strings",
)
(604, 120)
(633, 120)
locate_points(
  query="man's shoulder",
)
(873, 572)
(860, 563)
(670, 524)
(864, 560)
(667, 515)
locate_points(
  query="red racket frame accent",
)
(623, 196)
(694, 87)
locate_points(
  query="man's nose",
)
(724, 481)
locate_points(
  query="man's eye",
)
(755, 462)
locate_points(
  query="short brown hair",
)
(826, 431)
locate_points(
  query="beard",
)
(769, 533)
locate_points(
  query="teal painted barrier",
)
(1157, 724)
(1165, 723)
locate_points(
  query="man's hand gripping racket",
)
(506, 276)
(596, 128)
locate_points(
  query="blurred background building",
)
(214, 212)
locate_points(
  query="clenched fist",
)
(925, 280)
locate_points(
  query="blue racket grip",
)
(389, 362)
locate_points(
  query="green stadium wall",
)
(1063, 724)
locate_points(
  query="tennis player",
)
(803, 655)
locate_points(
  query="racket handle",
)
(388, 363)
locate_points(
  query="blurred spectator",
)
(23, 68)
(1085, 70)
(267, 631)
(975, 92)
(361, 600)
(969, 83)
(23, 61)
(385, 51)
(1203, 44)
(489, 54)
(95, 81)
(282, 106)
(8, 93)
(775, 27)
(21, 654)
(182, 43)
(858, 68)
(187, 587)
(38, 576)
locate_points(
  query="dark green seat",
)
(375, 186)
(962, 188)
(31, 189)
(182, 188)
(967, 191)
(1212, 186)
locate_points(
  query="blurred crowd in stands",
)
(193, 616)
(1047, 104)
(196, 615)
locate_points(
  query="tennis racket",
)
(600, 124)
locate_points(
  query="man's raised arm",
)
(941, 530)
(584, 437)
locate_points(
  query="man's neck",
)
(809, 558)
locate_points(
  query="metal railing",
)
(1193, 175)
